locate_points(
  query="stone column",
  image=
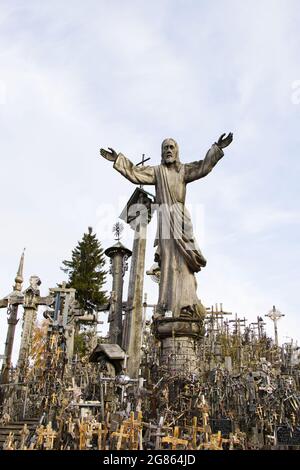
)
(118, 255)
(180, 344)
(13, 301)
(180, 354)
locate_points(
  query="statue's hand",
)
(111, 156)
(225, 141)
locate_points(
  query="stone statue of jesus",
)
(177, 254)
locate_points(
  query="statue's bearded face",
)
(169, 151)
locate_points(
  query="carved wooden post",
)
(138, 214)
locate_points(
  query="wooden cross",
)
(75, 390)
(259, 325)
(9, 443)
(40, 434)
(70, 426)
(90, 430)
(216, 441)
(237, 438)
(24, 434)
(53, 341)
(238, 323)
(205, 424)
(213, 444)
(102, 436)
(151, 428)
(82, 434)
(293, 419)
(120, 435)
(195, 429)
(260, 412)
(49, 436)
(217, 313)
(134, 428)
(54, 398)
(159, 434)
(175, 440)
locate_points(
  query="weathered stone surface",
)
(180, 354)
(118, 254)
(164, 328)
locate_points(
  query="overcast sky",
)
(76, 76)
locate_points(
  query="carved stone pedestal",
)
(180, 356)
(180, 341)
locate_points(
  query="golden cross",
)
(40, 434)
(215, 442)
(49, 436)
(102, 440)
(24, 434)
(174, 440)
(195, 428)
(9, 443)
(120, 436)
(134, 428)
(82, 434)
(259, 412)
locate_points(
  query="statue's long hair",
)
(177, 163)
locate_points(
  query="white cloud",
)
(263, 219)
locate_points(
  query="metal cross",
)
(117, 230)
(142, 163)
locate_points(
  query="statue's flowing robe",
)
(177, 252)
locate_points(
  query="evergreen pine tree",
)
(86, 273)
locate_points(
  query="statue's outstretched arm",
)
(225, 141)
(201, 168)
(135, 174)
(109, 154)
